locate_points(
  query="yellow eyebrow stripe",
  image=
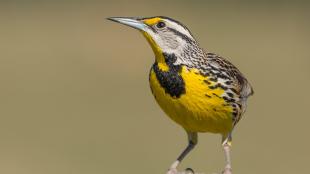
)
(152, 21)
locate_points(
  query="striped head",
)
(166, 36)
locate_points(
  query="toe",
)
(227, 171)
(172, 171)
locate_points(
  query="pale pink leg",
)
(226, 146)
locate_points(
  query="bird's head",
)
(165, 35)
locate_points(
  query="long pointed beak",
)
(132, 22)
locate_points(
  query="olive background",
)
(75, 98)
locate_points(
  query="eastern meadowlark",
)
(197, 89)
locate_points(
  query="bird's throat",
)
(159, 57)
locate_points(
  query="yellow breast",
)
(199, 109)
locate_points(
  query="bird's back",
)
(236, 86)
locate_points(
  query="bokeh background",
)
(75, 98)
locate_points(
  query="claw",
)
(189, 171)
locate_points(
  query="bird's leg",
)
(192, 141)
(226, 146)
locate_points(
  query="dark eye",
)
(160, 25)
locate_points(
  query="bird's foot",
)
(172, 171)
(175, 171)
(227, 170)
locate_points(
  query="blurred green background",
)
(75, 98)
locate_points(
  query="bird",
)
(199, 90)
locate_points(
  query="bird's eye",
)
(160, 25)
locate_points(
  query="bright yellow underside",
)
(194, 111)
